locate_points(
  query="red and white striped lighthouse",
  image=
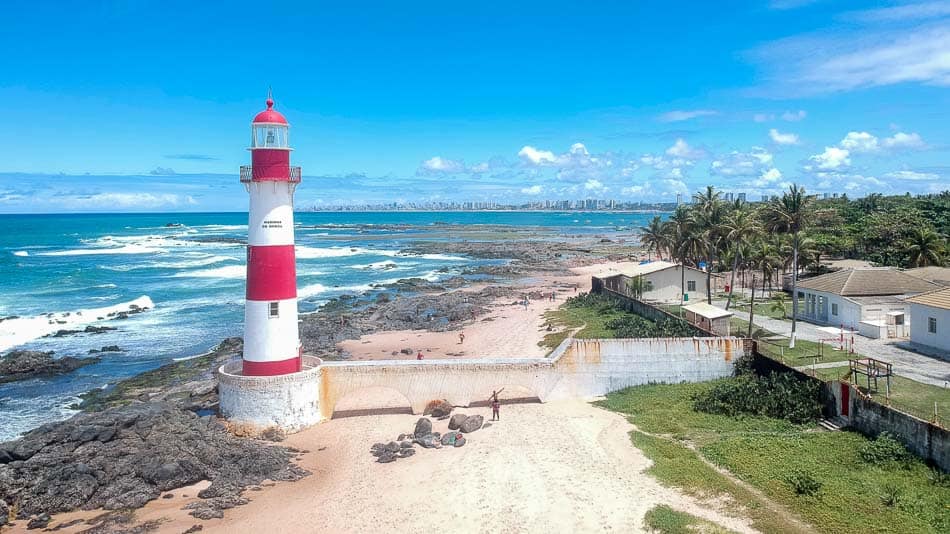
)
(271, 340)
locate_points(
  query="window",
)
(834, 309)
(691, 285)
(932, 325)
(274, 309)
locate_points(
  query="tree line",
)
(795, 231)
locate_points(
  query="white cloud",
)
(533, 190)
(912, 176)
(924, 10)
(859, 142)
(794, 116)
(595, 185)
(858, 58)
(903, 140)
(438, 164)
(780, 138)
(768, 178)
(832, 158)
(685, 115)
(123, 201)
(532, 155)
(735, 163)
(762, 117)
(681, 149)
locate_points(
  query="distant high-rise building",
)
(741, 197)
(729, 197)
(765, 198)
(679, 198)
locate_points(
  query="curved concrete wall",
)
(577, 369)
(289, 401)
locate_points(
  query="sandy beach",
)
(507, 331)
(557, 467)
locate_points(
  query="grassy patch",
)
(775, 457)
(665, 520)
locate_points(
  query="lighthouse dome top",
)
(269, 116)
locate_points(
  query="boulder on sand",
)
(456, 421)
(438, 408)
(459, 441)
(423, 427)
(472, 423)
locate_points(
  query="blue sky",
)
(142, 105)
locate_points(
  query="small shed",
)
(709, 318)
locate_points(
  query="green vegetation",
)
(823, 477)
(778, 395)
(599, 316)
(665, 520)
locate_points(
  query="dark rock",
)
(107, 348)
(406, 350)
(423, 427)
(40, 521)
(273, 434)
(438, 408)
(456, 421)
(471, 423)
(451, 438)
(194, 528)
(24, 364)
(386, 457)
(405, 445)
(124, 457)
(168, 496)
(4, 512)
(392, 446)
(459, 441)
(405, 453)
(98, 329)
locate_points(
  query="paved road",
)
(919, 367)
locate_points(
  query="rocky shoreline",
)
(157, 431)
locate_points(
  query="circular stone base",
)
(290, 402)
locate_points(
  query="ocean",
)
(189, 270)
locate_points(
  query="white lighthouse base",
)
(289, 402)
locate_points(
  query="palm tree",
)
(653, 236)
(675, 230)
(924, 248)
(709, 215)
(778, 304)
(639, 285)
(789, 215)
(740, 227)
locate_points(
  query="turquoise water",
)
(193, 275)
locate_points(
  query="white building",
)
(869, 300)
(937, 275)
(930, 319)
(660, 281)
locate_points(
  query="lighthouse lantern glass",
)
(269, 136)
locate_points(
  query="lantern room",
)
(270, 129)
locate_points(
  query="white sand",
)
(557, 467)
(507, 331)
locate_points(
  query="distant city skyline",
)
(133, 107)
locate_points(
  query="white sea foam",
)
(21, 253)
(310, 290)
(228, 271)
(124, 249)
(104, 286)
(388, 264)
(18, 331)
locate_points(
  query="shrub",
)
(884, 450)
(803, 483)
(890, 494)
(779, 395)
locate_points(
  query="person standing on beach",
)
(419, 356)
(461, 337)
(495, 405)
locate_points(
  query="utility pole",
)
(752, 308)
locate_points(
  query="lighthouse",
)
(271, 339)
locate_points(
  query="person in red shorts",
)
(419, 356)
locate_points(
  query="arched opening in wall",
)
(510, 394)
(372, 400)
